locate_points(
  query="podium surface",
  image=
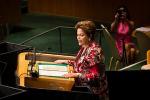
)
(42, 82)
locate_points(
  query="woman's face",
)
(122, 13)
(82, 38)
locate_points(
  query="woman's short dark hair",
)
(88, 27)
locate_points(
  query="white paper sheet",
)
(52, 73)
(52, 67)
(143, 29)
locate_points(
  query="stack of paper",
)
(57, 70)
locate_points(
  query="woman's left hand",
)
(61, 61)
(71, 75)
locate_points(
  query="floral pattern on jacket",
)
(90, 63)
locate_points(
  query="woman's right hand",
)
(61, 61)
(72, 75)
(117, 16)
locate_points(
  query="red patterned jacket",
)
(90, 63)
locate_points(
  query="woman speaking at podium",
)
(89, 68)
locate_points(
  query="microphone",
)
(33, 71)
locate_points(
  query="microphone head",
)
(34, 74)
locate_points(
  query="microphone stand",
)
(33, 70)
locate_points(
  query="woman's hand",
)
(61, 61)
(72, 75)
(117, 16)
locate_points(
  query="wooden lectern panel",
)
(51, 83)
(44, 82)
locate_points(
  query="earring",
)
(89, 39)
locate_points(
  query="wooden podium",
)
(43, 82)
